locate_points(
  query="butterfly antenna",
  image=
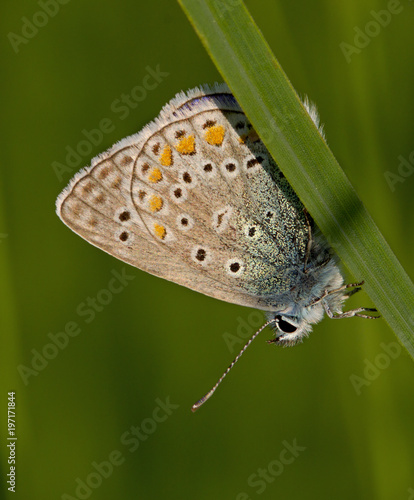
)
(201, 401)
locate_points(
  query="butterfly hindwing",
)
(194, 198)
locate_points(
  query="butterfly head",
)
(293, 328)
(295, 323)
(318, 289)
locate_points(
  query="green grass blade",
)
(263, 90)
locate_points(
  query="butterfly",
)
(196, 198)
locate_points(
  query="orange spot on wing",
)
(186, 145)
(155, 175)
(155, 203)
(215, 135)
(166, 156)
(160, 231)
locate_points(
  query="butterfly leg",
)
(350, 314)
(344, 287)
(351, 292)
(356, 288)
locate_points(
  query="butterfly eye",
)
(285, 326)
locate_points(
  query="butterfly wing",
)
(194, 198)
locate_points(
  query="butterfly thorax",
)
(306, 300)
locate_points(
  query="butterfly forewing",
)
(194, 198)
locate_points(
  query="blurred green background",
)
(345, 402)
